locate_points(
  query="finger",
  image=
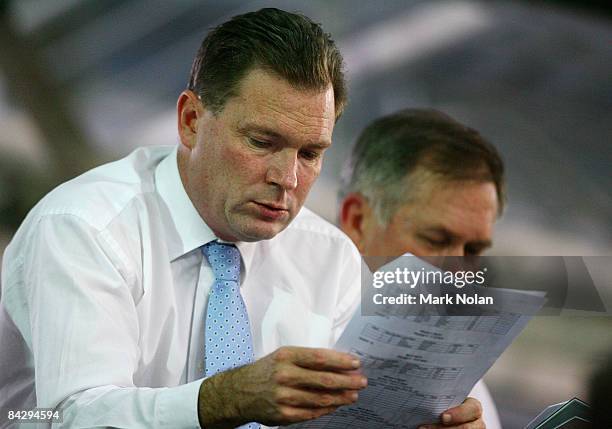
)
(469, 411)
(357, 371)
(478, 424)
(322, 359)
(315, 399)
(295, 376)
(289, 414)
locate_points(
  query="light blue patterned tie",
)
(228, 333)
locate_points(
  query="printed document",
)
(420, 365)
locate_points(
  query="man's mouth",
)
(271, 210)
(272, 206)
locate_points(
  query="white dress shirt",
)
(104, 291)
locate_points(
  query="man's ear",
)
(355, 213)
(189, 110)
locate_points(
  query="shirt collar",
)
(188, 231)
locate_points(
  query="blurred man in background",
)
(422, 183)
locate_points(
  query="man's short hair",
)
(287, 44)
(405, 150)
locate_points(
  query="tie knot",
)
(224, 260)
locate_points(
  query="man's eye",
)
(435, 242)
(310, 155)
(259, 144)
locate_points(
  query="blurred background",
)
(86, 81)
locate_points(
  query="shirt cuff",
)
(178, 406)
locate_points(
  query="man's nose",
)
(283, 170)
(455, 251)
(448, 251)
(448, 259)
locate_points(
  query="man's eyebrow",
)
(439, 230)
(449, 234)
(268, 132)
(319, 145)
(259, 129)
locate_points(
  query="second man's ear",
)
(355, 213)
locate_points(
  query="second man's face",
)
(253, 164)
(453, 218)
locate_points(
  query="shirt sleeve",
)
(351, 266)
(84, 333)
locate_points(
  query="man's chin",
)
(259, 230)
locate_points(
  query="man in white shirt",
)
(106, 285)
(422, 183)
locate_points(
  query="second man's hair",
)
(398, 153)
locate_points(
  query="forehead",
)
(272, 103)
(467, 209)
